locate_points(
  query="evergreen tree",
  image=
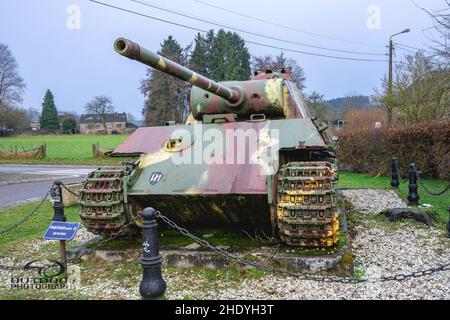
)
(166, 95)
(220, 57)
(230, 57)
(209, 42)
(69, 125)
(199, 62)
(49, 117)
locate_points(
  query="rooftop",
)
(109, 117)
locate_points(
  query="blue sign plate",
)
(61, 230)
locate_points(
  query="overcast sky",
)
(75, 58)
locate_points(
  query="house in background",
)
(35, 126)
(116, 123)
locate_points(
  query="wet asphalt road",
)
(13, 189)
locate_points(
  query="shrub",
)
(361, 119)
(426, 145)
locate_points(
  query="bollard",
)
(58, 215)
(448, 223)
(413, 196)
(57, 202)
(394, 175)
(152, 285)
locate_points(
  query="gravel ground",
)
(380, 251)
(380, 248)
(373, 201)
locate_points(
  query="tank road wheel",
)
(307, 210)
(103, 210)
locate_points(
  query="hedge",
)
(369, 150)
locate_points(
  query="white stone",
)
(193, 246)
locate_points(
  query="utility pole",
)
(390, 79)
(389, 109)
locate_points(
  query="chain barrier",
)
(429, 191)
(27, 217)
(227, 255)
(18, 224)
(79, 254)
(106, 240)
(325, 279)
(421, 183)
(84, 251)
(224, 253)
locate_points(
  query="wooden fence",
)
(19, 152)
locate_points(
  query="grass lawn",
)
(65, 149)
(440, 204)
(35, 227)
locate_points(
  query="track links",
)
(307, 204)
(103, 210)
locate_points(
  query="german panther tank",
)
(249, 157)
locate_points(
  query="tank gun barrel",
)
(132, 50)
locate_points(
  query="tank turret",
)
(264, 94)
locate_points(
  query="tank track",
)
(103, 210)
(307, 204)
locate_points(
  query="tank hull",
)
(238, 176)
(231, 172)
(230, 212)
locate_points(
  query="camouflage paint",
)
(133, 51)
(216, 178)
(297, 196)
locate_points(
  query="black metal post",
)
(413, 196)
(58, 215)
(448, 223)
(57, 200)
(152, 285)
(394, 175)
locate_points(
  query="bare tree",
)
(441, 24)
(12, 85)
(100, 105)
(319, 107)
(421, 90)
(12, 117)
(269, 62)
(297, 73)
